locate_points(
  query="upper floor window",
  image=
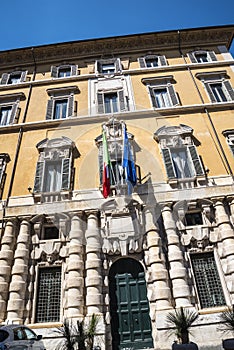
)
(193, 218)
(54, 171)
(229, 134)
(179, 153)
(152, 61)
(61, 104)
(207, 279)
(112, 102)
(14, 77)
(202, 56)
(217, 86)
(162, 92)
(108, 66)
(9, 108)
(63, 71)
(4, 159)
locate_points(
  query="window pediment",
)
(66, 90)
(61, 142)
(158, 80)
(219, 75)
(166, 132)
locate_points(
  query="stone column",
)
(159, 276)
(75, 269)
(227, 240)
(93, 265)
(6, 261)
(178, 275)
(17, 290)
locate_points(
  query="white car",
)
(19, 337)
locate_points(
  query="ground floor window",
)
(48, 295)
(207, 279)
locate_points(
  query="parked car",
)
(19, 337)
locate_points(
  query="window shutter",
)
(23, 76)
(66, 174)
(13, 113)
(39, 176)
(73, 69)
(49, 111)
(4, 79)
(122, 104)
(54, 72)
(162, 60)
(141, 61)
(168, 163)
(100, 103)
(232, 149)
(118, 66)
(196, 160)
(229, 89)
(210, 92)
(212, 56)
(173, 95)
(152, 95)
(98, 67)
(192, 57)
(70, 107)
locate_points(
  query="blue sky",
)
(29, 23)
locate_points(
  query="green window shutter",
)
(192, 57)
(212, 56)
(229, 89)
(54, 72)
(73, 69)
(13, 113)
(70, 106)
(23, 76)
(38, 183)
(173, 95)
(141, 61)
(162, 60)
(49, 111)
(152, 95)
(4, 79)
(66, 174)
(210, 92)
(168, 163)
(122, 104)
(118, 65)
(100, 103)
(196, 160)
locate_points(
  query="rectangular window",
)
(13, 78)
(162, 98)
(50, 232)
(48, 295)
(52, 177)
(111, 103)
(201, 57)
(182, 163)
(64, 72)
(218, 92)
(192, 219)
(151, 62)
(60, 109)
(5, 115)
(207, 279)
(108, 68)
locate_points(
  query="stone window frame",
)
(219, 77)
(55, 70)
(173, 137)
(59, 94)
(6, 77)
(116, 62)
(164, 82)
(229, 135)
(161, 61)
(13, 101)
(4, 159)
(211, 56)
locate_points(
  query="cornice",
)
(122, 45)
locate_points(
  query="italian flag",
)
(106, 168)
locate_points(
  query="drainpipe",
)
(20, 135)
(220, 147)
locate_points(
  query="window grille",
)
(49, 295)
(207, 280)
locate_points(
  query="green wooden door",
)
(130, 321)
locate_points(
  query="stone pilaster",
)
(6, 260)
(159, 277)
(75, 270)
(226, 235)
(17, 289)
(93, 279)
(177, 271)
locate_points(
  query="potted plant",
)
(227, 318)
(77, 336)
(181, 321)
